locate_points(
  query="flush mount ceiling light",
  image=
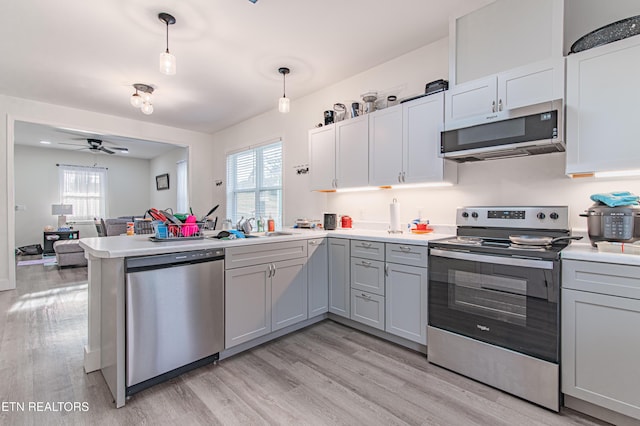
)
(142, 100)
(167, 60)
(284, 104)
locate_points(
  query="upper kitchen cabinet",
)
(603, 88)
(322, 155)
(490, 98)
(336, 152)
(404, 144)
(503, 35)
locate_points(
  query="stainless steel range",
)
(494, 305)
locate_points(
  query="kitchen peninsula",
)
(277, 262)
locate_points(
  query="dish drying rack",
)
(178, 232)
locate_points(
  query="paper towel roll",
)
(395, 216)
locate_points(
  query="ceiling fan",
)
(96, 145)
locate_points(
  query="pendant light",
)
(284, 104)
(167, 60)
(142, 98)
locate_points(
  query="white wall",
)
(403, 76)
(15, 109)
(166, 163)
(36, 187)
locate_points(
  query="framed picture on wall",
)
(162, 182)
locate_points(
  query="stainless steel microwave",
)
(536, 129)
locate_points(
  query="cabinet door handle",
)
(366, 296)
(386, 270)
(399, 177)
(313, 242)
(493, 106)
(403, 174)
(366, 245)
(274, 271)
(365, 263)
(500, 105)
(405, 248)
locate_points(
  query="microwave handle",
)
(496, 260)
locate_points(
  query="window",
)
(254, 187)
(86, 189)
(182, 187)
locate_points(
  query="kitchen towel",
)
(614, 199)
(395, 216)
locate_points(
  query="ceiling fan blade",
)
(70, 144)
(103, 149)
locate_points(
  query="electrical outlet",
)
(20, 207)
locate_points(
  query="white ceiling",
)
(87, 54)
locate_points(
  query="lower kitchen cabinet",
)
(367, 275)
(247, 304)
(367, 308)
(318, 276)
(406, 302)
(600, 335)
(288, 293)
(339, 273)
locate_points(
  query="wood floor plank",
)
(326, 374)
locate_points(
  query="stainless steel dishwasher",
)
(174, 315)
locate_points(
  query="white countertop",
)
(140, 245)
(584, 251)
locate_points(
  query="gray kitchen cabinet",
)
(339, 273)
(600, 335)
(367, 308)
(404, 144)
(352, 152)
(406, 254)
(406, 301)
(333, 151)
(265, 289)
(318, 276)
(601, 129)
(288, 293)
(247, 304)
(491, 98)
(367, 275)
(367, 282)
(322, 155)
(373, 250)
(481, 41)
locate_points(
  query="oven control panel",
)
(531, 217)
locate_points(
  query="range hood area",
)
(532, 130)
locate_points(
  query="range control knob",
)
(554, 216)
(474, 215)
(541, 216)
(465, 215)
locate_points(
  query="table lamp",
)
(61, 210)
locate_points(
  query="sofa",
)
(69, 253)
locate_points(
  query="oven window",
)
(497, 297)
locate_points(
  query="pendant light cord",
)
(167, 23)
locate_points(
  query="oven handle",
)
(509, 261)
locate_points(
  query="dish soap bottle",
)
(271, 225)
(260, 224)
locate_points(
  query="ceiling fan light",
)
(167, 63)
(136, 100)
(284, 105)
(147, 108)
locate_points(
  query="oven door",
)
(506, 301)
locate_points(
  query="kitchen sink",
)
(268, 234)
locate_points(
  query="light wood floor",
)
(324, 375)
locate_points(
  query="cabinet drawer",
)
(407, 254)
(603, 278)
(367, 249)
(367, 275)
(367, 308)
(256, 254)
